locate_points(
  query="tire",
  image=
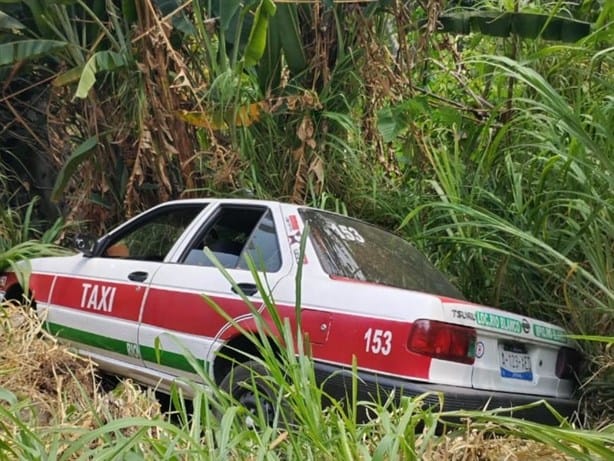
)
(249, 383)
(15, 293)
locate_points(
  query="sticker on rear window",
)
(500, 322)
(553, 334)
(347, 233)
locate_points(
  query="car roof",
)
(236, 201)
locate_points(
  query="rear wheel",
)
(16, 295)
(250, 384)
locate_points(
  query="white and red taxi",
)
(134, 300)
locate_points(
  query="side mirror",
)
(86, 244)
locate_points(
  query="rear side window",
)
(235, 234)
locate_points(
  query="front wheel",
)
(251, 385)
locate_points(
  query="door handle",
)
(138, 276)
(248, 288)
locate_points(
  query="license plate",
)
(515, 364)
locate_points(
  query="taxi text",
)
(97, 297)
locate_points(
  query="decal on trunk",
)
(479, 350)
(499, 322)
(465, 315)
(552, 334)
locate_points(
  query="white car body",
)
(135, 316)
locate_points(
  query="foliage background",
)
(491, 153)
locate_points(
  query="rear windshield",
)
(353, 249)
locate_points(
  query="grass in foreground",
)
(53, 408)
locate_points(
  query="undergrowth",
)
(53, 407)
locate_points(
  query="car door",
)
(96, 303)
(177, 320)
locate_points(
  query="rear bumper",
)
(372, 387)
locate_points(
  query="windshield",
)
(353, 249)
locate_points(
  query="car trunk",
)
(512, 353)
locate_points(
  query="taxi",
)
(133, 302)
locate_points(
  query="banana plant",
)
(83, 49)
(524, 25)
(553, 21)
(66, 30)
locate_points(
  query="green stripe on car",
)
(148, 354)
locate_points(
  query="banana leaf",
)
(8, 22)
(100, 61)
(23, 50)
(283, 39)
(525, 25)
(258, 34)
(79, 155)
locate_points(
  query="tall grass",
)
(122, 425)
(536, 207)
(21, 237)
(522, 209)
(509, 178)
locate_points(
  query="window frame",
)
(130, 226)
(205, 227)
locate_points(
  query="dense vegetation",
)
(56, 408)
(492, 154)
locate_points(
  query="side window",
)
(263, 247)
(234, 233)
(152, 238)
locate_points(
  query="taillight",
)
(443, 341)
(567, 363)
